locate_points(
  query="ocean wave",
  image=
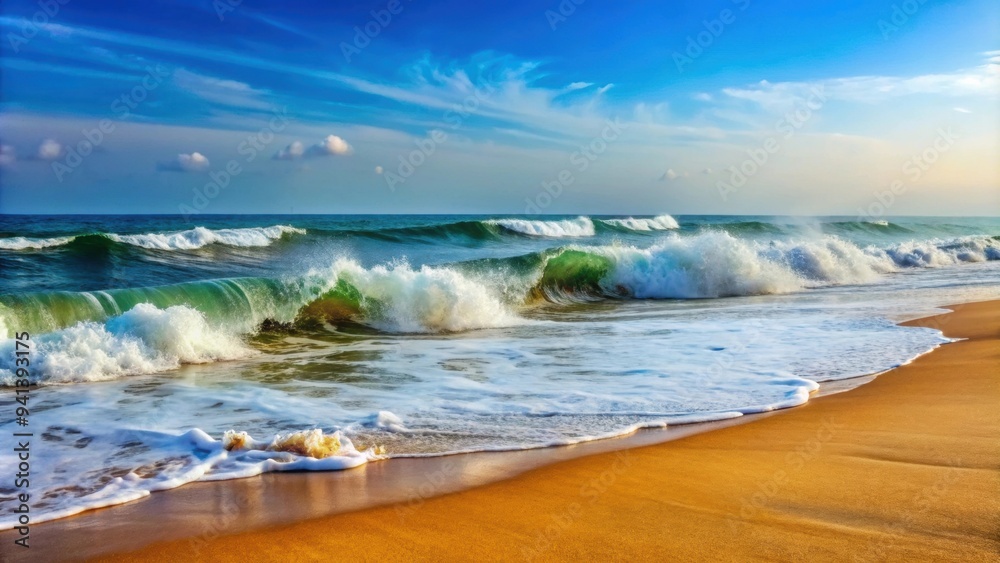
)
(200, 237)
(191, 239)
(22, 243)
(459, 231)
(717, 264)
(94, 336)
(400, 298)
(495, 229)
(658, 223)
(944, 252)
(579, 227)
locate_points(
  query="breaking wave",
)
(579, 227)
(199, 237)
(143, 340)
(658, 223)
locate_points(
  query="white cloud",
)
(49, 150)
(605, 88)
(293, 151)
(703, 97)
(7, 156)
(331, 145)
(194, 162)
(962, 110)
(669, 175)
(706, 171)
(378, 170)
(579, 85)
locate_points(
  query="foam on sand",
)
(163, 460)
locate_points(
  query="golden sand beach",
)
(904, 468)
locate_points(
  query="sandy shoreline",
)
(905, 467)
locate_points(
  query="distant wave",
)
(191, 239)
(496, 229)
(458, 231)
(658, 223)
(199, 237)
(579, 227)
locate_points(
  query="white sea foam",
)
(143, 340)
(22, 243)
(199, 237)
(659, 223)
(579, 227)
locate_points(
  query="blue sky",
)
(551, 107)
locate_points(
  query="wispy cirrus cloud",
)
(225, 92)
(982, 80)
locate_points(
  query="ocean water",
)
(167, 351)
